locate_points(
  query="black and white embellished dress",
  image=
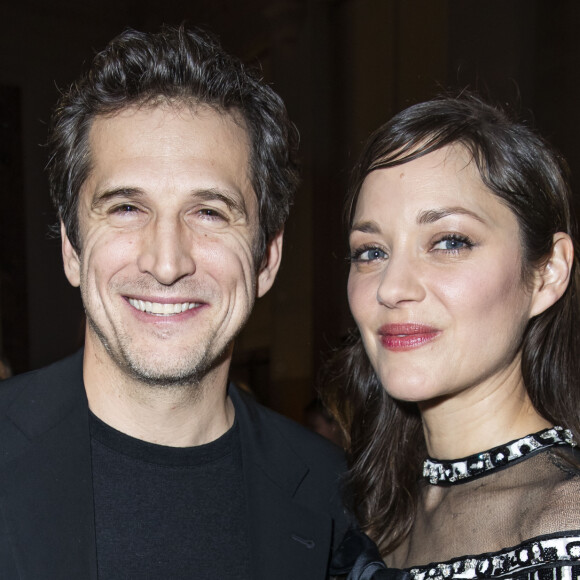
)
(510, 512)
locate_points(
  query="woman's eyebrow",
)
(366, 227)
(432, 215)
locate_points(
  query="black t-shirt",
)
(166, 512)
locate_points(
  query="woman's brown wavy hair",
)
(385, 437)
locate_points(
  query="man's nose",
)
(400, 282)
(167, 251)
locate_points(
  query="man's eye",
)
(124, 208)
(210, 213)
(368, 255)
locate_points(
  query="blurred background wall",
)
(343, 67)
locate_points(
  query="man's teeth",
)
(159, 308)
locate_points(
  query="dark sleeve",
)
(359, 557)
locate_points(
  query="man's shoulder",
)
(33, 403)
(63, 369)
(313, 449)
(49, 384)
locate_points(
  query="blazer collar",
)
(265, 446)
(289, 539)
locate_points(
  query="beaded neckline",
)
(454, 471)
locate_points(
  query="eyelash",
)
(128, 208)
(211, 214)
(355, 256)
(467, 243)
(124, 208)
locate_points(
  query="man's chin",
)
(176, 373)
(162, 367)
(173, 379)
(164, 373)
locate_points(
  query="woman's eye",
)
(368, 255)
(453, 243)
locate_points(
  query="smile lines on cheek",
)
(162, 309)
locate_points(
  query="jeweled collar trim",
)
(550, 556)
(447, 472)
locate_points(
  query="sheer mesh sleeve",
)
(519, 520)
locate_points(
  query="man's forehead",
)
(171, 125)
(177, 106)
(199, 142)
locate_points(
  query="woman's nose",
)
(400, 282)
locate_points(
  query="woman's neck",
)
(480, 418)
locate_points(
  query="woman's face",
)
(435, 281)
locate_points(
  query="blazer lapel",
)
(46, 481)
(288, 539)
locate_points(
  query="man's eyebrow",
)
(126, 193)
(432, 215)
(234, 201)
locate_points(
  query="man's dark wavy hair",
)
(386, 445)
(178, 66)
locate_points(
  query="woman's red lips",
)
(398, 337)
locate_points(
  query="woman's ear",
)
(270, 264)
(70, 259)
(552, 278)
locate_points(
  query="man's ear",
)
(70, 258)
(552, 278)
(270, 264)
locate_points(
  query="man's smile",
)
(162, 309)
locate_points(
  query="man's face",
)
(168, 225)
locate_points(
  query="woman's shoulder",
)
(555, 507)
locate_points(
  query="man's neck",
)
(176, 416)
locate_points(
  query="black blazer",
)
(46, 499)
